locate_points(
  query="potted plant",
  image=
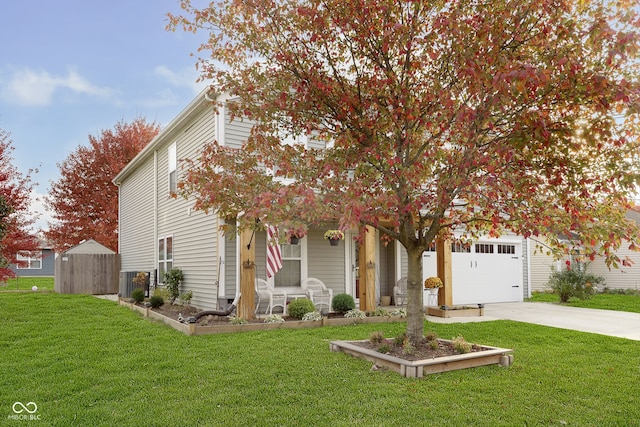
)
(334, 236)
(432, 284)
(295, 234)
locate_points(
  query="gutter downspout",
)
(154, 249)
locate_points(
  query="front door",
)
(354, 262)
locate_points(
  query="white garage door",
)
(483, 272)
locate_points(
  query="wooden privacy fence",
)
(87, 274)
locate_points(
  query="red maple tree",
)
(478, 117)
(84, 201)
(15, 222)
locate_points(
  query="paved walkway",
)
(606, 322)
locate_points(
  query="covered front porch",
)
(361, 265)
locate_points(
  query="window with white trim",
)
(173, 166)
(291, 272)
(29, 260)
(165, 256)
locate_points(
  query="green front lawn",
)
(605, 301)
(27, 283)
(87, 361)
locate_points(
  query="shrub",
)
(343, 302)
(460, 345)
(235, 320)
(407, 346)
(400, 312)
(161, 292)
(355, 314)
(384, 348)
(140, 280)
(380, 312)
(185, 298)
(156, 301)
(172, 280)
(376, 337)
(138, 295)
(274, 318)
(574, 281)
(431, 336)
(312, 316)
(298, 308)
(399, 339)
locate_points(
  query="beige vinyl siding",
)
(260, 240)
(195, 234)
(137, 243)
(541, 265)
(622, 277)
(404, 261)
(525, 270)
(237, 131)
(326, 262)
(315, 143)
(230, 262)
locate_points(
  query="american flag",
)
(274, 255)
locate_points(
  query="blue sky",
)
(71, 68)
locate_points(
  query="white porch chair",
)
(318, 293)
(400, 291)
(265, 292)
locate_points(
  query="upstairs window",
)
(173, 166)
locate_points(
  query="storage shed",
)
(88, 268)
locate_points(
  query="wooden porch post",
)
(246, 305)
(443, 250)
(368, 271)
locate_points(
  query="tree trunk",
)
(415, 311)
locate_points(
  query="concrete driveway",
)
(606, 322)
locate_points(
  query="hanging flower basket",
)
(295, 234)
(334, 236)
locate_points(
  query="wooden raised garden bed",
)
(455, 311)
(418, 368)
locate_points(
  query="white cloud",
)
(162, 98)
(185, 77)
(29, 87)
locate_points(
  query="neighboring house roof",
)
(89, 247)
(201, 101)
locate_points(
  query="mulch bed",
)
(421, 351)
(174, 312)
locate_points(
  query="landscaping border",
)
(195, 329)
(455, 311)
(418, 368)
